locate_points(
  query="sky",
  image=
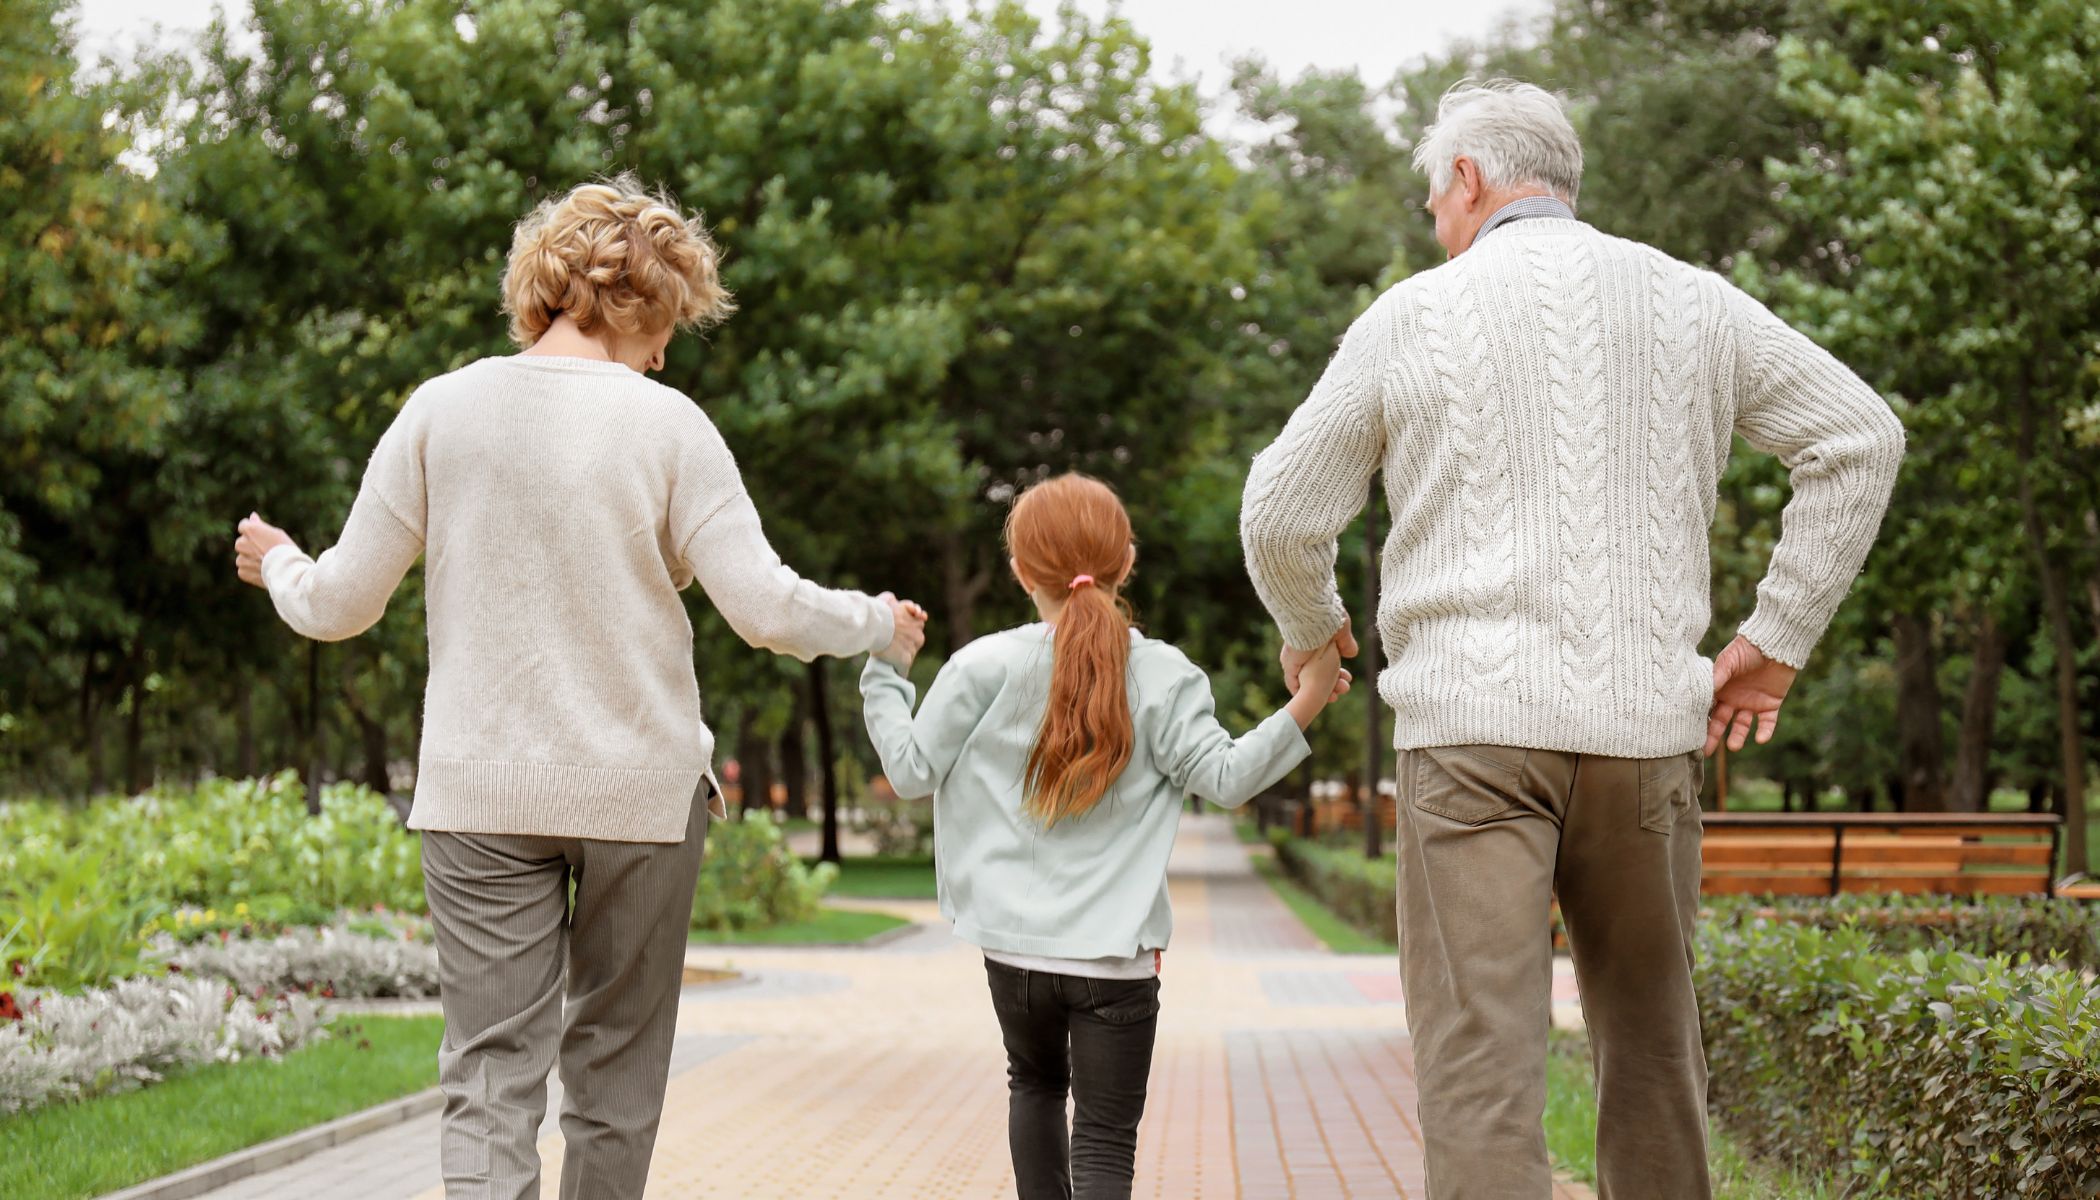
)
(1190, 38)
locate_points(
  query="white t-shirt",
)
(1142, 965)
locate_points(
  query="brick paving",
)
(1283, 1072)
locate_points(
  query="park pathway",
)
(1283, 1071)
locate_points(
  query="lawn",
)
(1571, 1136)
(1338, 935)
(885, 879)
(96, 1146)
(832, 926)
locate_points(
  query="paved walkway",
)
(1283, 1072)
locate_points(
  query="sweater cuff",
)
(1309, 631)
(275, 561)
(1778, 639)
(885, 626)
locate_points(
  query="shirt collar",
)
(1524, 209)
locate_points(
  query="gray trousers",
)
(508, 933)
(1488, 835)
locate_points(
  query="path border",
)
(270, 1155)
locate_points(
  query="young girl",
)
(1058, 754)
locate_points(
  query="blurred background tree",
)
(972, 250)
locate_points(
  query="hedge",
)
(1931, 1073)
(2009, 925)
(1359, 890)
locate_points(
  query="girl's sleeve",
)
(1198, 756)
(917, 752)
(344, 592)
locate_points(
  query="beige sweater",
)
(1552, 411)
(560, 506)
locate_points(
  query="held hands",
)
(1343, 643)
(257, 538)
(1748, 689)
(1321, 680)
(911, 632)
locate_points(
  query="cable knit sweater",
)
(560, 505)
(1552, 411)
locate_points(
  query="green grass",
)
(1244, 829)
(885, 879)
(1571, 1136)
(1338, 935)
(75, 1150)
(831, 926)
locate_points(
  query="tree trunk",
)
(754, 764)
(1979, 719)
(135, 726)
(244, 724)
(1922, 752)
(2092, 579)
(2056, 605)
(963, 584)
(827, 757)
(90, 727)
(794, 767)
(371, 735)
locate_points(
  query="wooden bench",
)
(1824, 854)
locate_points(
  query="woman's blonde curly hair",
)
(614, 256)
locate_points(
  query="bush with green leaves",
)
(750, 878)
(1927, 1073)
(1359, 890)
(81, 885)
(2043, 929)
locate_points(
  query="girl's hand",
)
(1321, 681)
(910, 621)
(257, 538)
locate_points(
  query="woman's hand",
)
(910, 634)
(257, 538)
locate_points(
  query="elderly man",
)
(1552, 409)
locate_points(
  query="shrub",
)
(749, 878)
(1359, 890)
(1931, 1073)
(362, 957)
(2008, 925)
(900, 828)
(64, 1047)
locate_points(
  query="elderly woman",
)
(561, 500)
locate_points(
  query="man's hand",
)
(910, 621)
(257, 538)
(1343, 643)
(1748, 689)
(1321, 682)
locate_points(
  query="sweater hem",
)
(1055, 947)
(1490, 722)
(607, 804)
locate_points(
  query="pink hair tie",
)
(1079, 581)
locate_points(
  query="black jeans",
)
(1092, 1037)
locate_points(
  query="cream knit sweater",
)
(560, 505)
(1552, 411)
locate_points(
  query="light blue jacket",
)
(1090, 886)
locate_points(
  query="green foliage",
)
(2067, 931)
(749, 878)
(80, 886)
(1932, 1073)
(1360, 891)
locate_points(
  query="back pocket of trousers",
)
(1670, 789)
(1469, 784)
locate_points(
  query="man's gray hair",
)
(1517, 133)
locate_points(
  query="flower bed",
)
(69, 1047)
(370, 956)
